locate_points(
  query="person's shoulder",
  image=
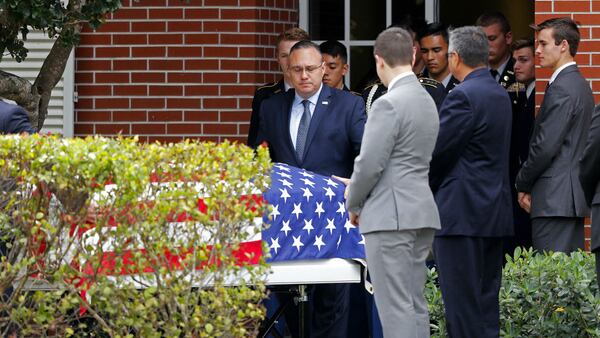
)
(268, 89)
(429, 82)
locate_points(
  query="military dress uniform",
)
(507, 78)
(434, 88)
(261, 94)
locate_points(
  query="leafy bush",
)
(542, 295)
(125, 239)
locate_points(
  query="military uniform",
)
(507, 78)
(451, 84)
(261, 94)
(434, 88)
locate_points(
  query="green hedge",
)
(542, 295)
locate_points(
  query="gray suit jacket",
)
(551, 170)
(589, 175)
(389, 187)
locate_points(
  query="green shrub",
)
(138, 196)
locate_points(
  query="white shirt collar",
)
(398, 77)
(286, 86)
(500, 69)
(446, 80)
(313, 99)
(530, 88)
(556, 72)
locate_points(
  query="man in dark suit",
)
(589, 176)
(434, 51)
(14, 119)
(469, 178)
(547, 182)
(335, 57)
(284, 43)
(317, 128)
(499, 34)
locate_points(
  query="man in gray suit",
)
(389, 188)
(548, 180)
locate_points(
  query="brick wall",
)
(169, 69)
(587, 14)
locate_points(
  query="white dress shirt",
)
(556, 72)
(298, 110)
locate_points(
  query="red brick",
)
(220, 2)
(201, 38)
(165, 39)
(148, 26)
(84, 103)
(252, 52)
(252, 3)
(129, 115)
(201, 64)
(165, 115)
(83, 129)
(257, 78)
(148, 51)
(220, 77)
(130, 90)
(201, 13)
(596, 59)
(582, 59)
(219, 128)
(173, 51)
(239, 65)
(188, 77)
(84, 52)
(130, 64)
(113, 27)
(585, 32)
(147, 103)
(183, 103)
(595, 6)
(201, 115)
(234, 116)
(111, 77)
(112, 52)
(239, 39)
(185, 26)
(186, 3)
(148, 128)
(130, 39)
(81, 78)
(166, 64)
(148, 77)
(590, 72)
(252, 27)
(149, 3)
(166, 90)
(164, 13)
(220, 52)
(539, 17)
(201, 90)
(595, 86)
(571, 6)
(95, 39)
(91, 65)
(220, 26)
(237, 90)
(92, 116)
(245, 102)
(239, 14)
(219, 103)
(589, 46)
(111, 102)
(184, 128)
(112, 128)
(586, 19)
(91, 90)
(130, 13)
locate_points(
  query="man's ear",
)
(345, 68)
(414, 56)
(509, 38)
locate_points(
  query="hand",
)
(525, 201)
(346, 182)
(353, 218)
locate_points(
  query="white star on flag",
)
(341, 209)
(283, 167)
(307, 193)
(362, 241)
(348, 225)
(285, 194)
(308, 225)
(329, 193)
(286, 227)
(275, 244)
(275, 212)
(330, 226)
(305, 174)
(331, 182)
(308, 182)
(319, 209)
(319, 242)
(286, 183)
(285, 175)
(297, 244)
(297, 211)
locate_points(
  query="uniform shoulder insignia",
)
(378, 83)
(268, 85)
(355, 93)
(427, 81)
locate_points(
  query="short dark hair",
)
(523, 43)
(435, 29)
(304, 44)
(292, 34)
(335, 49)
(562, 29)
(490, 18)
(395, 46)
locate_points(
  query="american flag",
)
(308, 218)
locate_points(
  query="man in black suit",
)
(469, 178)
(14, 119)
(320, 129)
(499, 34)
(548, 180)
(335, 57)
(434, 51)
(284, 43)
(589, 176)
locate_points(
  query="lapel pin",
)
(325, 102)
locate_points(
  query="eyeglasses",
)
(451, 53)
(308, 69)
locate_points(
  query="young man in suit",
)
(317, 128)
(589, 176)
(499, 34)
(469, 178)
(389, 189)
(284, 43)
(548, 180)
(335, 57)
(14, 119)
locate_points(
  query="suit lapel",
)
(323, 103)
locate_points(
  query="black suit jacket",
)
(334, 135)
(507, 78)
(551, 172)
(589, 174)
(523, 110)
(261, 94)
(14, 119)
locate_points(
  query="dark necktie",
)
(494, 73)
(303, 130)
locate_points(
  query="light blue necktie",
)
(303, 131)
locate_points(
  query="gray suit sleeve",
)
(378, 142)
(589, 171)
(549, 134)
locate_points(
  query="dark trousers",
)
(522, 229)
(470, 272)
(557, 234)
